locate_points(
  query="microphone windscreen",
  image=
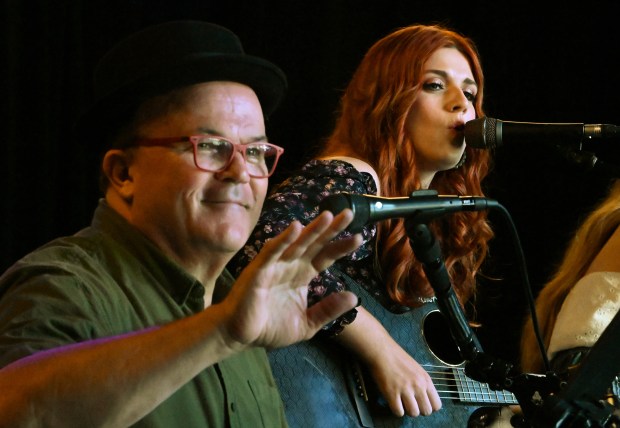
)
(335, 203)
(357, 203)
(481, 133)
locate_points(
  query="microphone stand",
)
(531, 390)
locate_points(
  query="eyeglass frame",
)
(194, 140)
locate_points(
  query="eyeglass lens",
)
(213, 154)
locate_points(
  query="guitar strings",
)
(451, 384)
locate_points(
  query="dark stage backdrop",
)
(542, 64)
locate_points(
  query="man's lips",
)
(226, 202)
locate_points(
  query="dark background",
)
(543, 62)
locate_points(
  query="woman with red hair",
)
(400, 129)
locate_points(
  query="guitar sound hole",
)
(437, 335)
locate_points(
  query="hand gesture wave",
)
(268, 303)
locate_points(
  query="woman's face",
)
(435, 124)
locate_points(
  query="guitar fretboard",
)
(453, 384)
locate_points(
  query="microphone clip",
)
(424, 216)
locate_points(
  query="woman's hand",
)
(405, 385)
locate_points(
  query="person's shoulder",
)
(350, 167)
(587, 310)
(79, 256)
(592, 293)
(597, 283)
(59, 251)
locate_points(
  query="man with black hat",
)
(134, 321)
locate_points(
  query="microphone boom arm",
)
(479, 366)
(428, 252)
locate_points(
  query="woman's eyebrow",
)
(445, 75)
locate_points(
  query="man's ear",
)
(115, 166)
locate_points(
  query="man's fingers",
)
(274, 247)
(336, 250)
(311, 233)
(320, 232)
(329, 308)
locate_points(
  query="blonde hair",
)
(588, 240)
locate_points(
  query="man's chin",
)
(231, 238)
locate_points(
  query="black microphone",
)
(488, 133)
(426, 203)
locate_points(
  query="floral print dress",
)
(298, 198)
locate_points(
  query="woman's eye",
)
(433, 86)
(470, 96)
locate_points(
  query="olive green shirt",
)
(108, 279)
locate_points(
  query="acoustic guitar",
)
(322, 385)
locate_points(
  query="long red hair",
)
(371, 126)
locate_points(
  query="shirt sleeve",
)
(44, 310)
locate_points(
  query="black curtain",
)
(542, 65)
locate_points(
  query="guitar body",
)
(322, 385)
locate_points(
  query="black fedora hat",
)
(168, 56)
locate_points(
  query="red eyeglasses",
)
(215, 154)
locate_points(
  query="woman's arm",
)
(404, 383)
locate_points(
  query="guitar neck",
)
(453, 384)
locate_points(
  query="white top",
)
(587, 311)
